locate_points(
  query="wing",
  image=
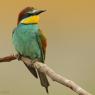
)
(42, 42)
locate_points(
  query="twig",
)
(8, 58)
(48, 71)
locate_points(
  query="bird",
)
(29, 41)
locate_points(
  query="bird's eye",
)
(27, 15)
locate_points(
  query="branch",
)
(48, 71)
(8, 58)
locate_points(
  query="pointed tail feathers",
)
(43, 80)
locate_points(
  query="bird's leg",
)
(19, 57)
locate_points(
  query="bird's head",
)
(29, 15)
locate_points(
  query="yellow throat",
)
(31, 19)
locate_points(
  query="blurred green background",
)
(69, 26)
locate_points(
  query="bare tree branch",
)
(48, 71)
(8, 58)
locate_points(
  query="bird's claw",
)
(19, 57)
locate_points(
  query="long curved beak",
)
(36, 12)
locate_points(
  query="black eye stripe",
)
(25, 16)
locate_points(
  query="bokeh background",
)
(69, 26)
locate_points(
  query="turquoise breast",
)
(25, 40)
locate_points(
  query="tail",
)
(43, 80)
(42, 76)
(32, 70)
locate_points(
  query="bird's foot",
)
(19, 57)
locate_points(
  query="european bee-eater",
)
(29, 40)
